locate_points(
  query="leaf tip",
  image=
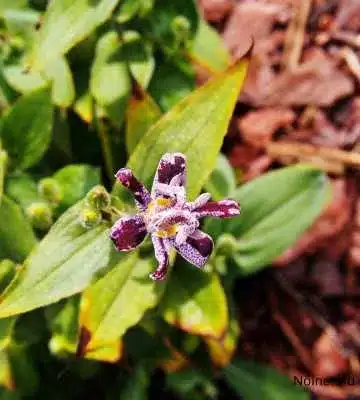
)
(248, 53)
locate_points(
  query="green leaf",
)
(66, 23)
(6, 330)
(136, 385)
(110, 81)
(142, 112)
(106, 312)
(23, 373)
(63, 89)
(7, 273)
(254, 381)
(7, 94)
(3, 165)
(170, 84)
(139, 54)
(75, 181)
(22, 80)
(128, 10)
(63, 264)
(6, 379)
(16, 235)
(189, 383)
(26, 131)
(276, 209)
(198, 122)
(222, 181)
(195, 302)
(208, 50)
(12, 5)
(22, 188)
(20, 25)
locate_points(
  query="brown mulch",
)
(301, 103)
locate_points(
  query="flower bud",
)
(180, 27)
(40, 215)
(90, 217)
(226, 245)
(98, 198)
(50, 190)
(145, 7)
(58, 347)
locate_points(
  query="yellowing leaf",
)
(106, 311)
(222, 350)
(195, 302)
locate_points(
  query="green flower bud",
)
(40, 215)
(145, 7)
(226, 245)
(58, 347)
(90, 217)
(98, 198)
(50, 190)
(180, 27)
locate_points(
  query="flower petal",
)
(197, 248)
(171, 170)
(220, 209)
(161, 247)
(128, 232)
(139, 191)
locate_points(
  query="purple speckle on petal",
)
(165, 214)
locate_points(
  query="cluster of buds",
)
(97, 201)
(41, 212)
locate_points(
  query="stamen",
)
(168, 232)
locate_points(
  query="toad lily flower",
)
(168, 217)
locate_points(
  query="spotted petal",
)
(197, 248)
(219, 209)
(170, 171)
(128, 232)
(139, 191)
(161, 247)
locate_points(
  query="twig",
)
(347, 37)
(295, 34)
(352, 61)
(330, 159)
(289, 332)
(105, 147)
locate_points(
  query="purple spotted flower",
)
(168, 217)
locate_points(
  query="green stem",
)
(106, 148)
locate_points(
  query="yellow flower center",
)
(168, 232)
(157, 206)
